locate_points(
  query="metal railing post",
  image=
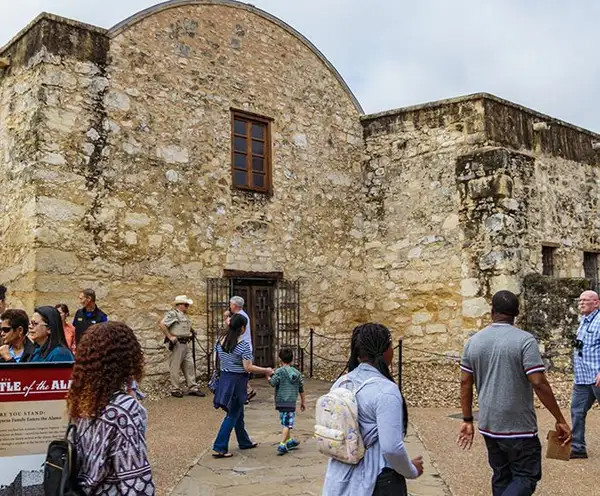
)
(312, 333)
(400, 363)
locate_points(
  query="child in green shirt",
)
(288, 383)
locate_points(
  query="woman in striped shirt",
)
(235, 366)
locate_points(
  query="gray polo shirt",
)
(500, 357)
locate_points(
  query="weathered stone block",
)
(475, 307)
(469, 287)
(505, 282)
(173, 154)
(117, 101)
(436, 328)
(421, 317)
(60, 210)
(56, 261)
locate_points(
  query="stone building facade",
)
(124, 154)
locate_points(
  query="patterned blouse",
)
(111, 450)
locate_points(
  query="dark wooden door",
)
(262, 325)
(258, 297)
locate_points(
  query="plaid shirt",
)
(586, 361)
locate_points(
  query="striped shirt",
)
(587, 365)
(233, 361)
(500, 357)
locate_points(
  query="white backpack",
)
(336, 423)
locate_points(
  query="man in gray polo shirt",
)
(505, 365)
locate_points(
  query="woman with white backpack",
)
(382, 467)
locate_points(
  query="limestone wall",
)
(563, 191)
(564, 213)
(134, 183)
(412, 231)
(460, 197)
(20, 112)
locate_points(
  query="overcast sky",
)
(393, 53)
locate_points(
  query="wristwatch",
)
(468, 419)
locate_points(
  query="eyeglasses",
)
(5, 330)
(33, 324)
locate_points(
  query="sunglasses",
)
(578, 345)
(5, 330)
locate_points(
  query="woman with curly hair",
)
(383, 420)
(111, 424)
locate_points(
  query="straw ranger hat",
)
(181, 299)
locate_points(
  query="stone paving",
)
(261, 472)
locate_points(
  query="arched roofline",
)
(170, 4)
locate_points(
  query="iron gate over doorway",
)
(273, 306)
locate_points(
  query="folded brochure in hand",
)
(555, 449)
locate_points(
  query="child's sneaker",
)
(292, 444)
(282, 449)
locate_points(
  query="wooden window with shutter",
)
(251, 152)
(548, 255)
(590, 268)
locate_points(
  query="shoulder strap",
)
(71, 428)
(368, 381)
(344, 380)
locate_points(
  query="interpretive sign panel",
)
(33, 412)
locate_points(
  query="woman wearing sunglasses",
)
(46, 331)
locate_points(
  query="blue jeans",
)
(584, 396)
(233, 420)
(517, 465)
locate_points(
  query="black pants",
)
(390, 483)
(517, 465)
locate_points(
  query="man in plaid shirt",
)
(586, 362)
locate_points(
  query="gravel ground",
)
(437, 385)
(468, 474)
(179, 431)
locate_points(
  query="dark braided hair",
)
(369, 343)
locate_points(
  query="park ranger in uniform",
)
(177, 328)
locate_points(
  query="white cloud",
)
(540, 53)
